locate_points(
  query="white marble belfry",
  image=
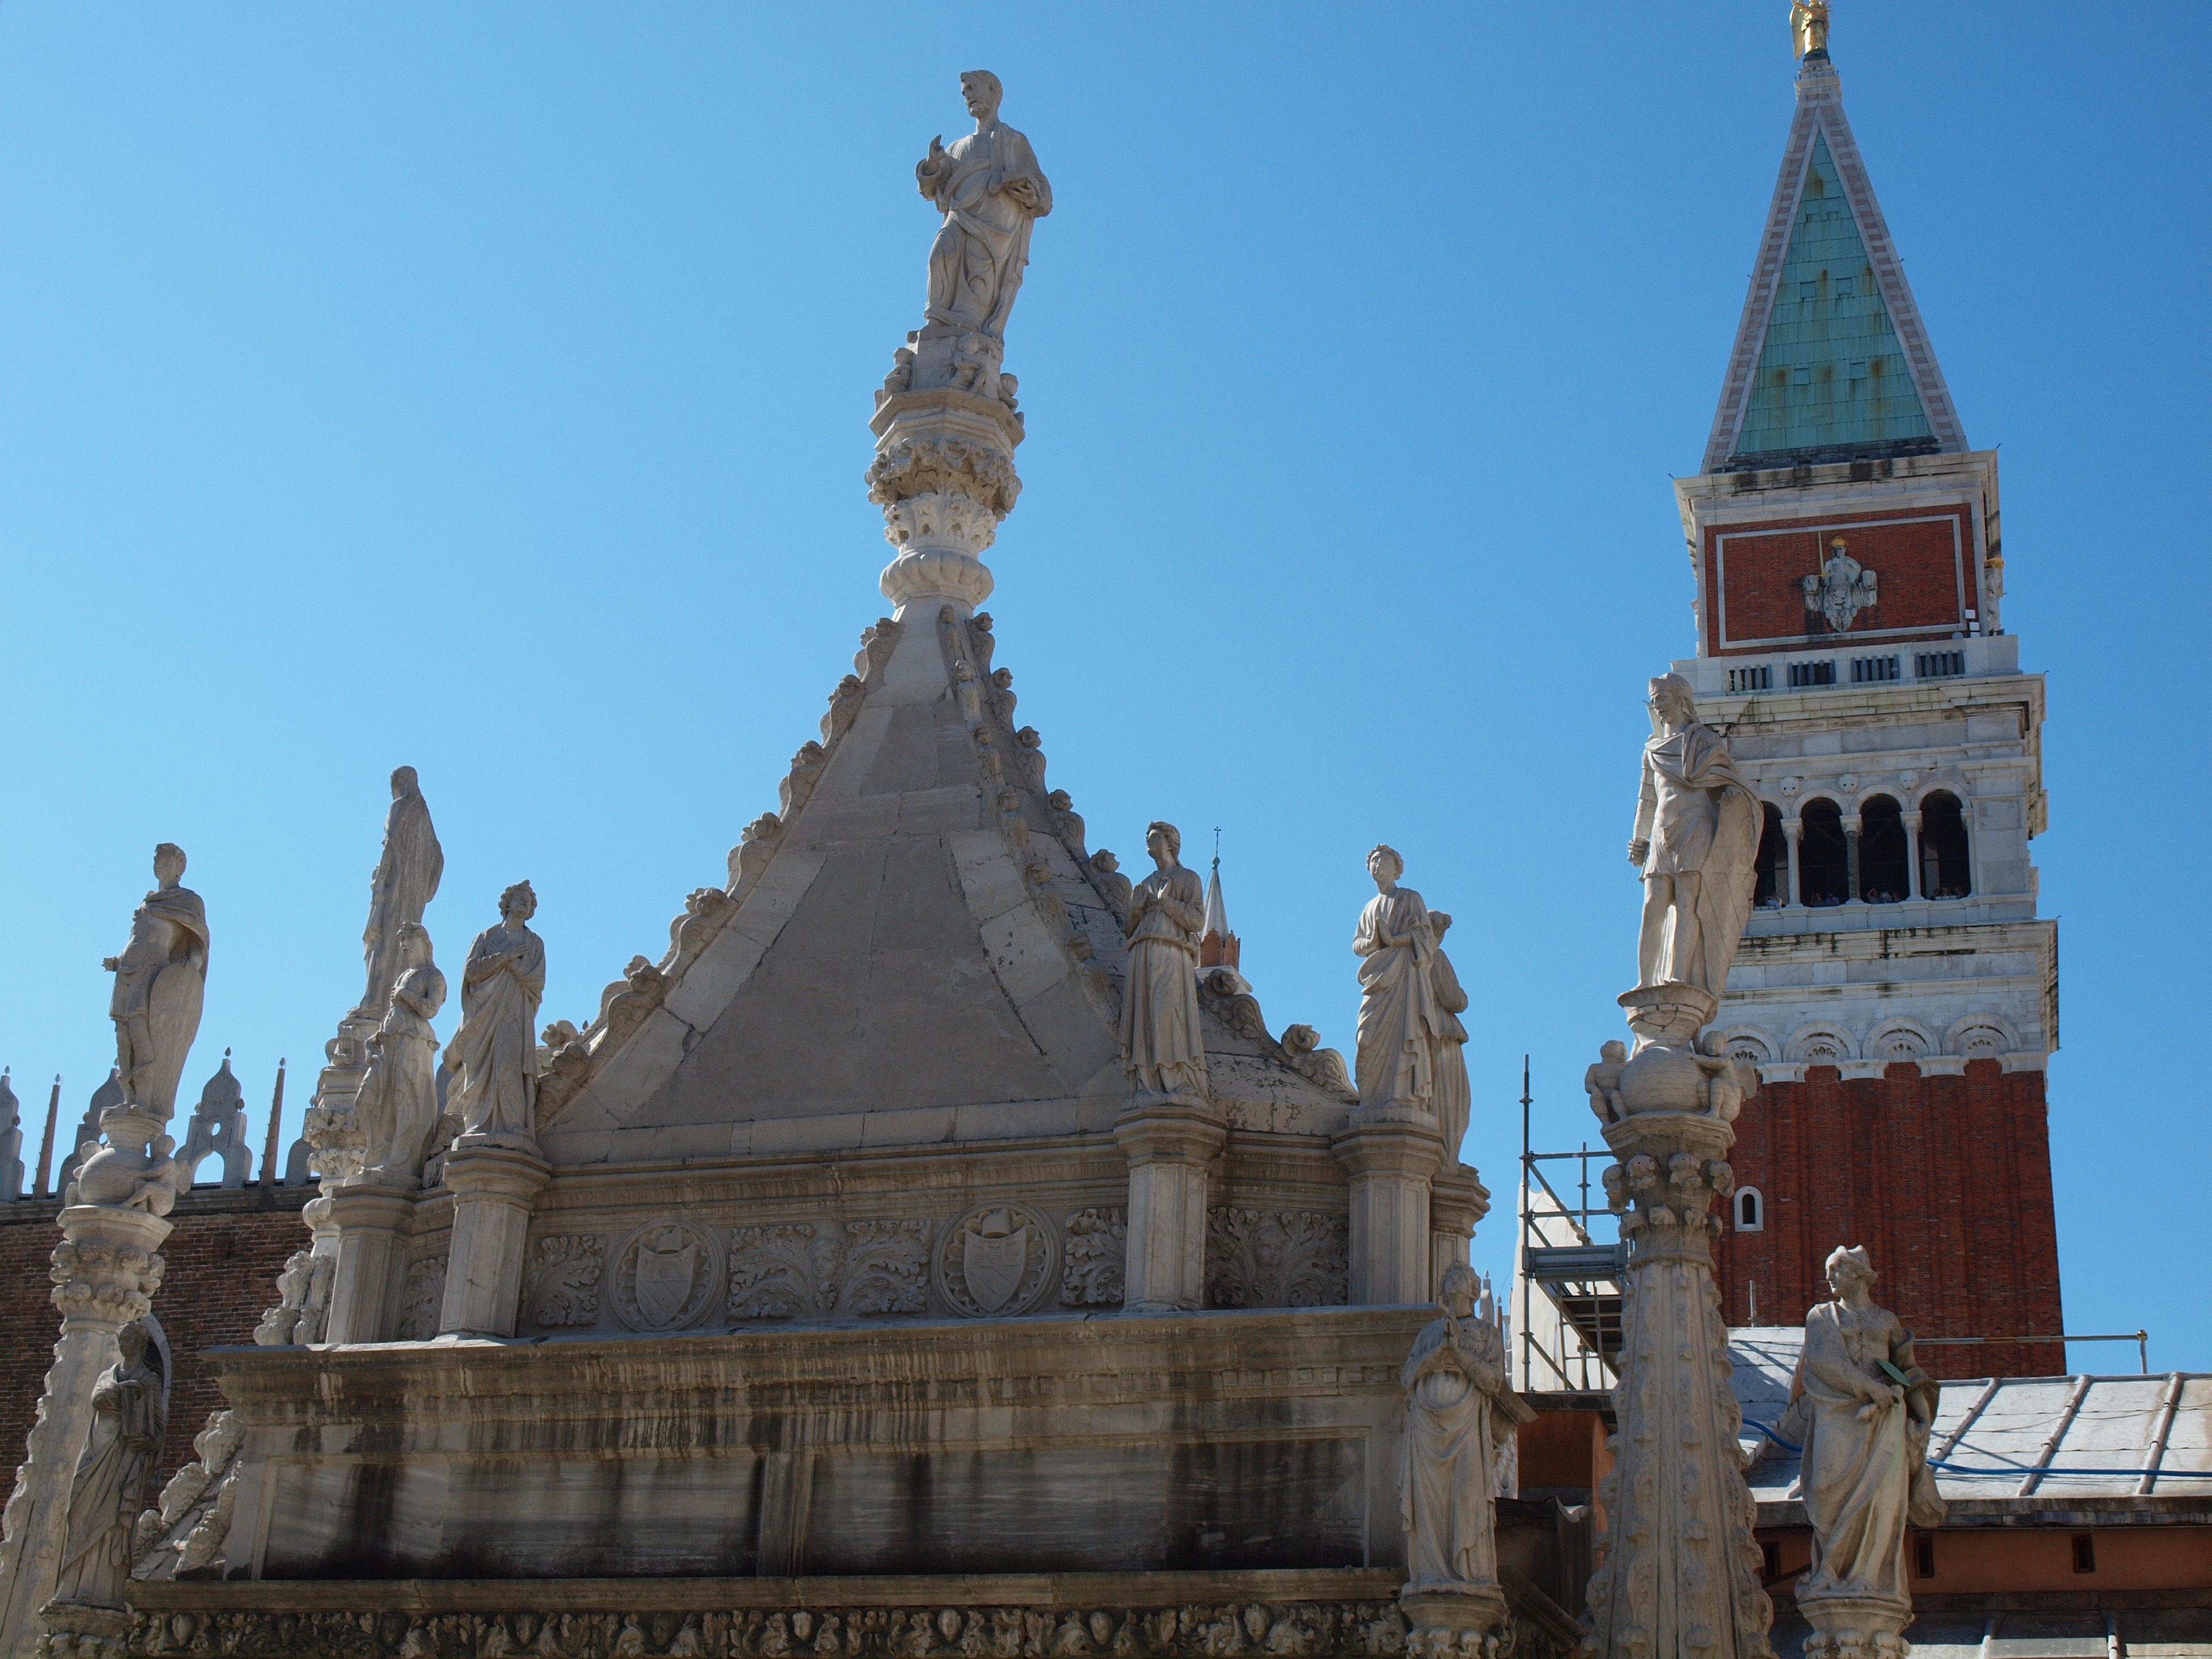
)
(1681, 1574)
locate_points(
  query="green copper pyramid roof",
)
(1830, 371)
(1831, 359)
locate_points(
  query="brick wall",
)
(1945, 1180)
(223, 1259)
(1921, 562)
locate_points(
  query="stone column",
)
(106, 1271)
(370, 1221)
(493, 1184)
(1792, 831)
(1913, 885)
(1169, 1146)
(943, 474)
(1457, 1201)
(1852, 895)
(1392, 1162)
(1682, 1572)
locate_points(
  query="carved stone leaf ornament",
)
(563, 1284)
(1276, 1259)
(998, 1259)
(798, 1270)
(421, 1297)
(1096, 1257)
(666, 1275)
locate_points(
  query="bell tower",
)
(1895, 987)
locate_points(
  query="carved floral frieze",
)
(562, 1285)
(803, 1269)
(421, 1297)
(666, 1276)
(1191, 1630)
(1275, 1258)
(1093, 1258)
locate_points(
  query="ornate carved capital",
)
(107, 1267)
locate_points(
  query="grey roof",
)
(2012, 1438)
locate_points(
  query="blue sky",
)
(485, 388)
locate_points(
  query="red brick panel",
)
(1921, 562)
(1945, 1180)
(223, 1260)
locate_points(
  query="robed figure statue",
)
(161, 980)
(990, 189)
(1162, 1050)
(398, 1099)
(406, 880)
(1448, 1475)
(128, 1420)
(495, 1091)
(1400, 1022)
(1865, 1410)
(1455, 1099)
(1695, 842)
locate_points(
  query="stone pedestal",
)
(493, 1183)
(943, 474)
(106, 1271)
(1457, 1201)
(1463, 1622)
(365, 1292)
(1682, 1572)
(1170, 1144)
(1847, 1626)
(1391, 1161)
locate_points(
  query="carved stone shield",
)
(664, 1282)
(994, 1267)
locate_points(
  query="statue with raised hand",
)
(160, 980)
(990, 189)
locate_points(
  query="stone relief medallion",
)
(664, 1276)
(998, 1259)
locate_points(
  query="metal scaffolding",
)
(1571, 1339)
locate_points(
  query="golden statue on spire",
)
(1808, 26)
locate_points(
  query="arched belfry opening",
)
(1823, 859)
(1774, 865)
(1883, 859)
(1946, 871)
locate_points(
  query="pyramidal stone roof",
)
(1832, 361)
(917, 948)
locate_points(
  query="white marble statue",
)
(1455, 1100)
(1867, 1409)
(406, 880)
(1696, 837)
(496, 1045)
(399, 1100)
(990, 190)
(160, 980)
(1449, 1476)
(1162, 1050)
(113, 1475)
(1401, 1025)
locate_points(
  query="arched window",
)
(1823, 865)
(1750, 1211)
(1773, 862)
(1883, 855)
(1945, 872)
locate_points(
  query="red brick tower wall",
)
(223, 1260)
(1945, 1180)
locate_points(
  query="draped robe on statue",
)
(1162, 1050)
(1455, 1099)
(399, 1100)
(406, 880)
(976, 262)
(110, 1488)
(1863, 1481)
(161, 982)
(1449, 1472)
(496, 1047)
(1400, 1020)
(1701, 819)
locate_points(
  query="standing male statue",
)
(1162, 1050)
(1696, 837)
(161, 980)
(1865, 1410)
(406, 880)
(1455, 1098)
(496, 1045)
(1401, 1025)
(990, 189)
(1448, 1475)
